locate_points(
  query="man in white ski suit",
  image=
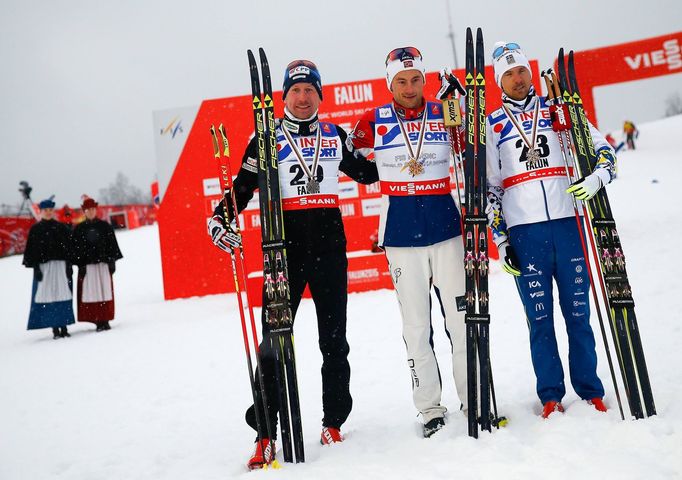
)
(419, 225)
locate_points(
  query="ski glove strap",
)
(223, 236)
(510, 262)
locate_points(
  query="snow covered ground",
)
(162, 395)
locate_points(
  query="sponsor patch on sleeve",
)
(251, 165)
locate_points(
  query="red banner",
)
(193, 266)
(625, 62)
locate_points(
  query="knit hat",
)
(88, 203)
(302, 71)
(507, 55)
(47, 203)
(402, 59)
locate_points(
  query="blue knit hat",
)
(47, 203)
(302, 71)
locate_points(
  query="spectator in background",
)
(630, 132)
(95, 251)
(48, 253)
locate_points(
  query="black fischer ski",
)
(614, 283)
(481, 203)
(275, 275)
(477, 318)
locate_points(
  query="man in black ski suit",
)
(311, 153)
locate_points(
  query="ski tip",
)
(479, 32)
(470, 33)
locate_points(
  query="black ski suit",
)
(316, 256)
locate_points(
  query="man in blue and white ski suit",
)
(534, 227)
(419, 225)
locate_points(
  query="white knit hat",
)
(508, 60)
(406, 62)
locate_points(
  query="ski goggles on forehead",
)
(301, 63)
(504, 48)
(402, 53)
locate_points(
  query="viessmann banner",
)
(625, 62)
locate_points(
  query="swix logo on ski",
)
(434, 132)
(671, 54)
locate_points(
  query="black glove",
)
(69, 270)
(112, 267)
(37, 274)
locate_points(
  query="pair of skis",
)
(276, 306)
(475, 230)
(476, 262)
(568, 115)
(275, 274)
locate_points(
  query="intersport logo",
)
(671, 54)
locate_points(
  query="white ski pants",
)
(414, 270)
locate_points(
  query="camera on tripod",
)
(25, 190)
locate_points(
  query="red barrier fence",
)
(14, 230)
(13, 234)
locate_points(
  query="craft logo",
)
(671, 54)
(300, 70)
(173, 128)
